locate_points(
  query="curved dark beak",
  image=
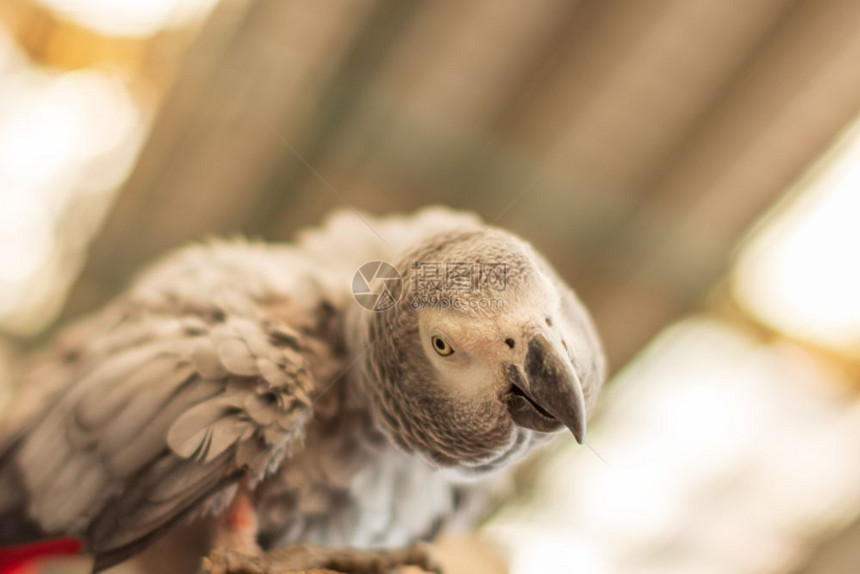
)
(552, 388)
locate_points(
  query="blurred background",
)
(692, 168)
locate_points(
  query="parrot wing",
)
(157, 414)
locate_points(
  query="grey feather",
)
(206, 360)
(157, 381)
(237, 358)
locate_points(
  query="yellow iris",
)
(441, 346)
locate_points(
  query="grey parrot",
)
(242, 385)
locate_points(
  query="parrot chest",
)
(351, 488)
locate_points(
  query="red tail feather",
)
(17, 559)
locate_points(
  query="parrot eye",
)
(441, 346)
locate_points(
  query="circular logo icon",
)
(377, 286)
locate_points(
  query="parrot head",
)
(486, 354)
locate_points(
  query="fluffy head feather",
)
(524, 358)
